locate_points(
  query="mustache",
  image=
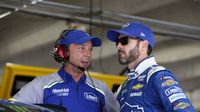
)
(121, 51)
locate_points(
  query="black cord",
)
(101, 106)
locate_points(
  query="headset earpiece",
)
(61, 54)
(60, 51)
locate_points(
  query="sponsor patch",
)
(141, 78)
(126, 107)
(177, 96)
(123, 92)
(136, 94)
(91, 96)
(169, 82)
(61, 92)
(132, 75)
(181, 105)
(173, 90)
(137, 86)
(166, 77)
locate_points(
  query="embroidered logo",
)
(132, 75)
(181, 105)
(91, 96)
(166, 77)
(177, 96)
(61, 92)
(169, 82)
(141, 78)
(137, 86)
(136, 94)
(142, 34)
(172, 90)
(123, 92)
(126, 107)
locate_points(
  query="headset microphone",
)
(60, 60)
(78, 67)
(56, 57)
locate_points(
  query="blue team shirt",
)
(86, 95)
(75, 96)
(151, 88)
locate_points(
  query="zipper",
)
(76, 89)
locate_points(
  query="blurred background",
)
(29, 28)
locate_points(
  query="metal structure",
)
(81, 14)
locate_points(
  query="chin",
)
(84, 66)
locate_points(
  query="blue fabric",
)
(75, 96)
(161, 93)
(79, 37)
(135, 30)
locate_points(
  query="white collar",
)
(141, 67)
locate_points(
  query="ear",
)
(144, 45)
(67, 53)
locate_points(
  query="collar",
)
(141, 67)
(67, 76)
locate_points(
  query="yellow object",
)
(137, 86)
(15, 76)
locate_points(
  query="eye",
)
(85, 48)
(122, 40)
(91, 49)
(82, 48)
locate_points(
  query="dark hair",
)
(149, 50)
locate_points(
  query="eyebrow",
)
(123, 37)
(120, 36)
(84, 45)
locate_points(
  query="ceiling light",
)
(5, 14)
(34, 2)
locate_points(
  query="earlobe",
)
(144, 45)
(67, 54)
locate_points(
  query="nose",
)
(88, 52)
(119, 46)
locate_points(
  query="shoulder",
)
(159, 72)
(164, 75)
(97, 84)
(48, 79)
(51, 76)
(163, 79)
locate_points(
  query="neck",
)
(74, 72)
(133, 64)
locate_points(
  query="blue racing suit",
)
(152, 88)
(86, 95)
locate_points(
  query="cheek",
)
(128, 50)
(74, 56)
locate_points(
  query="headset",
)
(60, 51)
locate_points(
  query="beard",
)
(132, 55)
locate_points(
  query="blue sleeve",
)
(170, 93)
